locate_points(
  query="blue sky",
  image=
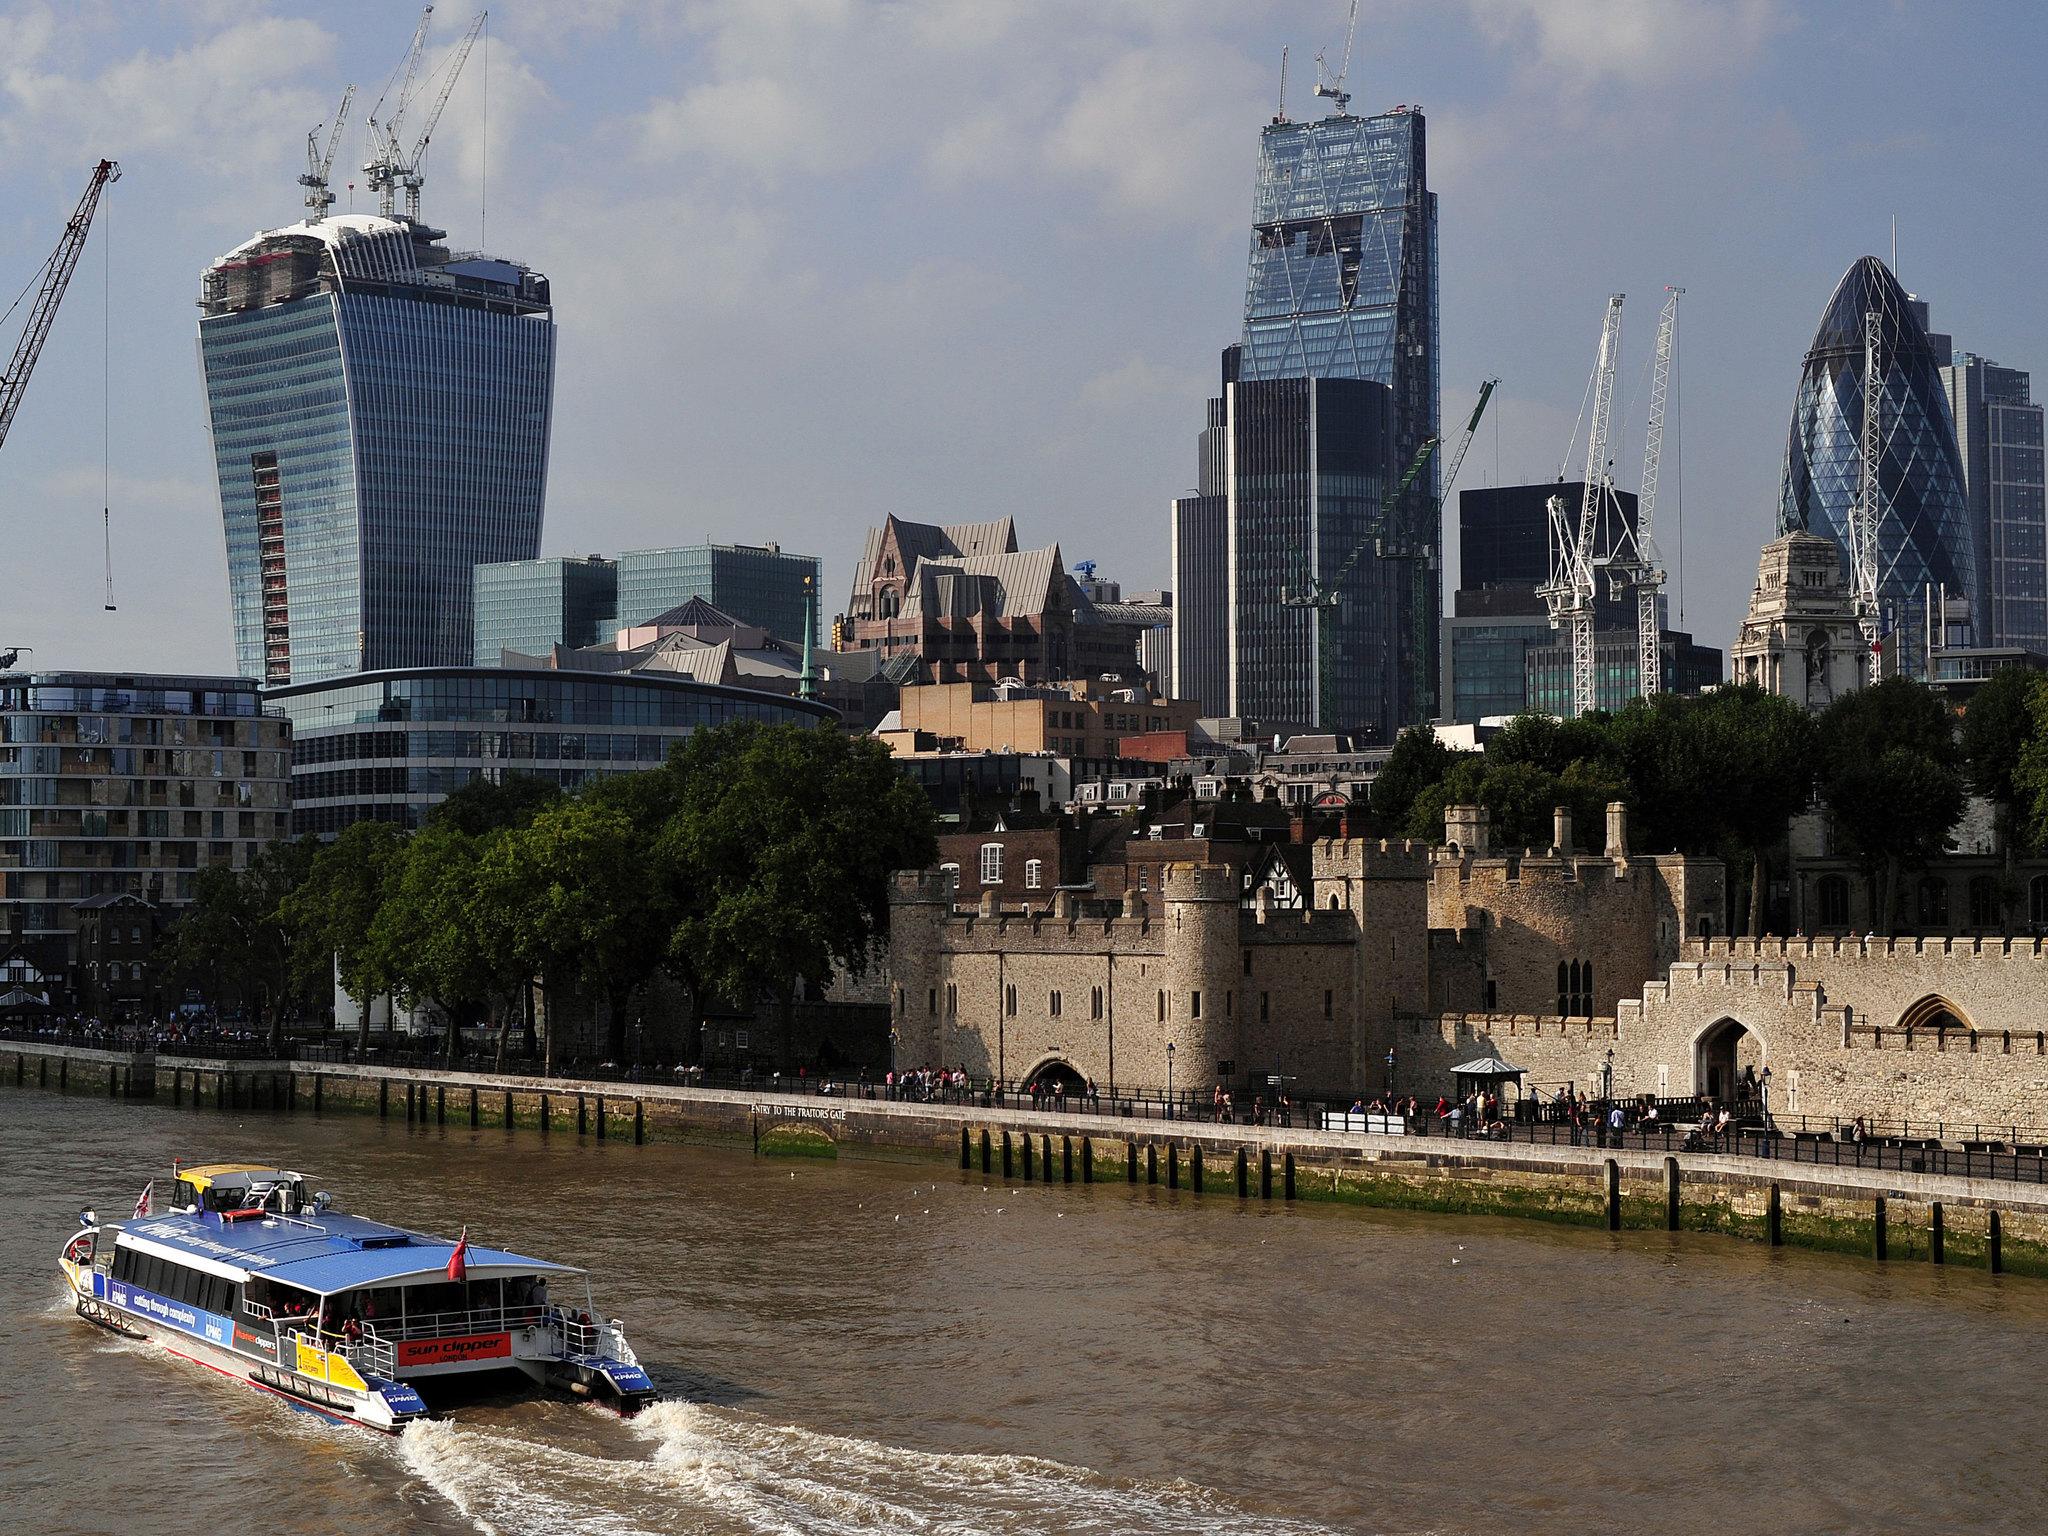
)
(816, 261)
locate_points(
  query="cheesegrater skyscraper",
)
(1328, 394)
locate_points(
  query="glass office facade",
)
(1999, 433)
(529, 606)
(756, 584)
(390, 746)
(1341, 294)
(1687, 668)
(379, 411)
(1924, 532)
(1486, 664)
(129, 785)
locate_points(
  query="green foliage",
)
(333, 909)
(787, 838)
(1891, 777)
(2030, 772)
(482, 806)
(1418, 761)
(1998, 726)
(240, 932)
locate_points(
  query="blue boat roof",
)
(328, 1253)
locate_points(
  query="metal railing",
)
(445, 1325)
(601, 1339)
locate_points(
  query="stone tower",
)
(1800, 637)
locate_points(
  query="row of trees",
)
(1723, 774)
(754, 863)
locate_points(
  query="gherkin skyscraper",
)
(1924, 537)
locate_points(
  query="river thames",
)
(881, 1347)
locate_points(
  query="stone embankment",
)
(2001, 1225)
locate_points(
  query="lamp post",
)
(1390, 1071)
(1169, 1079)
(1607, 1076)
(1764, 1094)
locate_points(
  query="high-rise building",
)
(529, 605)
(1925, 543)
(1330, 392)
(760, 584)
(1999, 434)
(125, 786)
(379, 408)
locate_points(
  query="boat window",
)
(426, 1300)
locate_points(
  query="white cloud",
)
(1140, 383)
(1633, 42)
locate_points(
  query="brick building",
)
(1086, 717)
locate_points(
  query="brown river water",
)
(883, 1347)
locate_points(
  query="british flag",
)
(142, 1200)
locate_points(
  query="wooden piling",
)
(984, 1151)
(1130, 1162)
(600, 1117)
(640, 1124)
(1775, 1218)
(1066, 1159)
(1936, 1235)
(383, 1096)
(1996, 1244)
(1877, 1228)
(1613, 1195)
(1087, 1160)
(1006, 1154)
(546, 1113)
(1173, 1165)
(1151, 1162)
(475, 1117)
(966, 1152)
(1243, 1175)
(1265, 1173)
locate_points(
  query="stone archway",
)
(1056, 1074)
(1936, 1013)
(1728, 1059)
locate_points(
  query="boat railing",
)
(369, 1354)
(372, 1354)
(443, 1325)
(595, 1338)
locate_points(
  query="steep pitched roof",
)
(1015, 584)
(921, 541)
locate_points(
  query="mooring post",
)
(965, 1151)
(1877, 1228)
(1006, 1154)
(1087, 1160)
(1265, 1173)
(1613, 1195)
(1195, 1167)
(223, 1091)
(1935, 1234)
(582, 1116)
(1243, 1176)
(1151, 1162)
(1287, 1176)
(1130, 1162)
(508, 1109)
(63, 1074)
(1997, 1244)
(1030, 1158)
(1045, 1150)
(1173, 1165)
(546, 1113)
(383, 1095)
(113, 1080)
(319, 1090)
(410, 1088)
(177, 1084)
(639, 1122)
(1775, 1220)
(474, 1119)
(1066, 1159)
(984, 1151)
(441, 1104)
(600, 1117)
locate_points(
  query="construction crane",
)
(387, 159)
(54, 279)
(409, 173)
(1572, 588)
(318, 164)
(1631, 560)
(1866, 516)
(1333, 86)
(1324, 596)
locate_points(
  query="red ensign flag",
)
(457, 1270)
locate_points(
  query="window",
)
(1831, 899)
(951, 872)
(991, 863)
(1247, 962)
(1162, 1007)
(932, 999)
(1141, 877)
(1010, 1001)
(1052, 1004)
(1033, 868)
(1983, 902)
(952, 999)
(739, 1039)
(1095, 1002)
(1194, 1005)
(1329, 1003)
(1265, 1006)
(1933, 902)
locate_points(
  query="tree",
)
(789, 836)
(486, 805)
(1418, 761)
(1892, 779)
(1739, 765)
(240, 930)
(2030, 772)
(426, 937)
(1998, 726)
(334, 910)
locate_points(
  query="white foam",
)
(683, 1466)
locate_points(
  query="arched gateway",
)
(1728, 1059)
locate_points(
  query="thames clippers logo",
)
(471, 1346)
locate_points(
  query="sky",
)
(819, 261)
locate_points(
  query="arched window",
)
(1564, 988)
(951, 871)
(1010, 1001)
(1831, 901)
(1033, 869)
(1933, 902)
(1705, 927)
(991, 863)
(1052, 1004)
(1095, 1003)
(1586, 988)
(1333, 901)
(1983, 902)
(114, 971)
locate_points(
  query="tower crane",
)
(1866, 516)
(409, 173)
(1323, 596)
(1570, 592)
(54, 279)
(1333, 87)
(1632, 559)
(318, 165)
(382, 168)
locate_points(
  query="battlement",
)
(1373, 858)
(1862, 946)
(1529, 1025)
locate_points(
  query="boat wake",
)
(686, 1467)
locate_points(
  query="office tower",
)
(1328, 395)
(1924, 538)
(757, 583)
(530, 605)
(1999, 434)
(379, 409)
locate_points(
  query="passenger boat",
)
(250, 1274)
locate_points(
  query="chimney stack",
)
(1561, 829)
(1617, 829)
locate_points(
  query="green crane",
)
(1323, 596)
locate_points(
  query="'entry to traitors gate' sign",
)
(453, 1351)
